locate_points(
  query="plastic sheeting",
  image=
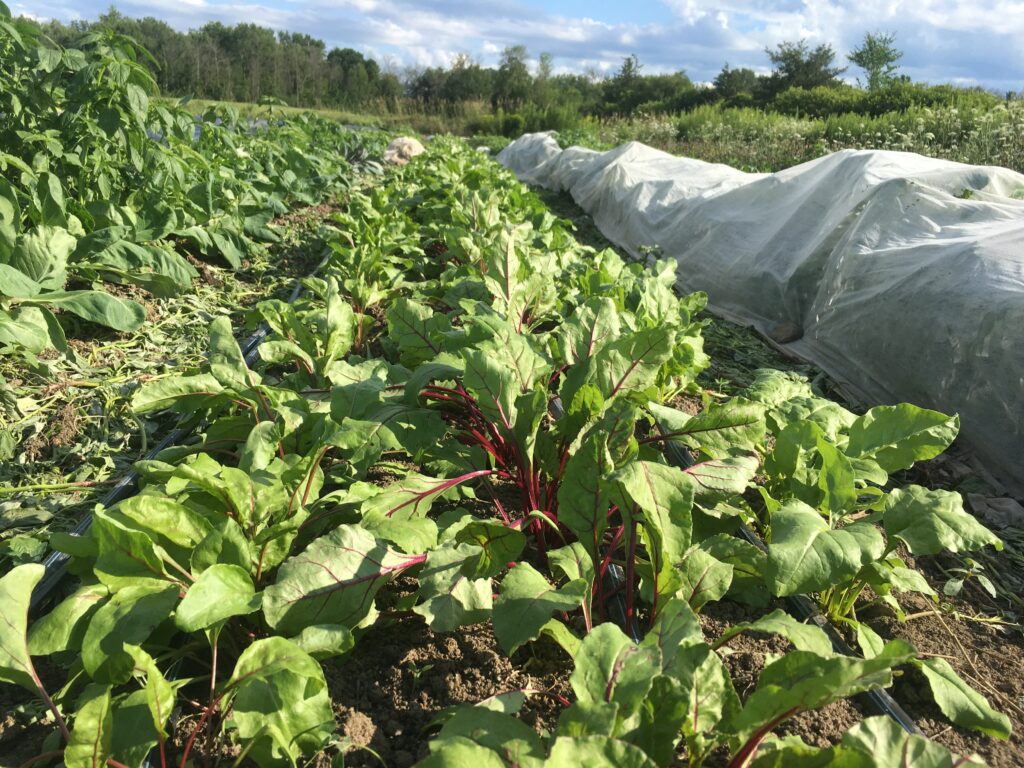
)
(906, 273)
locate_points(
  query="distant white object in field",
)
(484, 150)
(900, 275)
(402, 150)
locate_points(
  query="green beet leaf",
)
(665, 500)
(584, 495)
(592, 325)
(63, 628)
(226, 361)
(333, 581)
(707, 689)
(458, 752)
(92, 734)
(897, 436)
(184, 394)
(802, 680)
(27, 328)
(887, 745)
(719, 431)
(416, 330)
(933, 521)
(324, 641)
(128, 618)
(596, 752)
(17, 284)
(805, 555)
(527, 601)
(662, 716)
(15, 592)
(125, 557)
(96, 307)
(961, 703)
(496, 731)
(42, 255)
(280, 707)
(220, 592)
(451, 598)
(704, 578)
(716, 478)
(804, 637)
(611, 667)
(498, 545)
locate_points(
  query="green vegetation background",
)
(801, 110)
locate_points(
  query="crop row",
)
(468, 398)
(103, 188)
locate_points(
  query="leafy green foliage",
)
(508, 465)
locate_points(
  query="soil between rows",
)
(988, 656)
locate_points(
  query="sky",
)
(965, 42)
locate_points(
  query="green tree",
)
(512, 81)
(796, 65)
(732, 83)
(877, 56)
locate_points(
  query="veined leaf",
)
(452, 598)
(42, 255)
(592, 325)
(15, 592)
(180, 393)
(333, 581)
(665, 500)
(63, 628)
(612, 668)
(960, 702)
(933, 521)
(806, 555)
(96, 307)
(417, 330)
(128, 618)
(715, 477)
(280, 707)
(888, 746)
(92, 734)
(15, 283)
(802, 680)
(897, 436)
(597, 752)
(719, 431)
(804, 637)
(220, 592)
(227, 365)
(527, 601)
(496, 731)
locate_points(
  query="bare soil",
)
(745, 656)
(988, 656)
(400, 675)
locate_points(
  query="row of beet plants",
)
(468, 397)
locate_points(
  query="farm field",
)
(482, 491)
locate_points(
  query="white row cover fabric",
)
(906, 273)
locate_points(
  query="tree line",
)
(246, 62)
